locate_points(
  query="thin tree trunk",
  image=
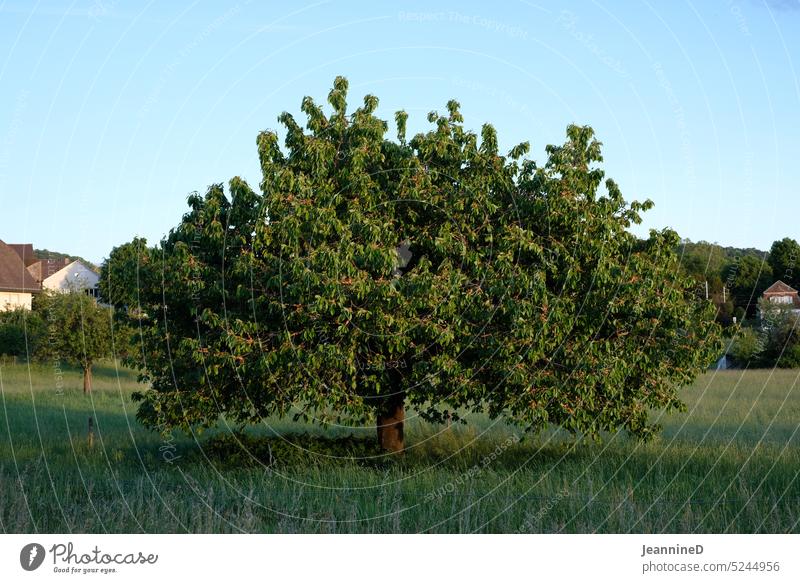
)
(87, 379)
(390, 425)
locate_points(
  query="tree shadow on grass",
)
(235, 450)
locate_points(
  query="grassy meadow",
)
(729, 464)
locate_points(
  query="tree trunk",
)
(390, 425)
(87, 379)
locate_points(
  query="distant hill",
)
(703, 259)
(712, 250)
(47, 254)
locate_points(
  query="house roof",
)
(780, 288)
(25, 252)
(14, 276)
(43, 269)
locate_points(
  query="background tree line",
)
(737, 277)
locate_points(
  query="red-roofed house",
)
(783, 297)
(781, 293)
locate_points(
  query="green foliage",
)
(747, 346)
(118, 287)
(12, 340)
(21, 333)
(784, 259)
(725, 312)
(525, 295)
(704, 261)
(782, 335)
(744, 273)
(748, 278)
(79, 330)
(119, 275)
(791, 355)
(708, 261)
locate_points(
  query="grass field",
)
(729, 464)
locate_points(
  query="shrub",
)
(790, 358)
(781, 346)
(746, 346)
(21, 333)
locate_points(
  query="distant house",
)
(783, 296)
(781, 293)
(73, 277)
(17, 285)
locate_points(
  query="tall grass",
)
(729, 464)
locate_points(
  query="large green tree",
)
(369, 276)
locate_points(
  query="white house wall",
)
(73, 277)
(13, 300)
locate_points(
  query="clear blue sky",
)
(112, 112)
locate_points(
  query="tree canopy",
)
(79, 330)
(369, 275)
(784, 259)
(119, 274)
(748, 278)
